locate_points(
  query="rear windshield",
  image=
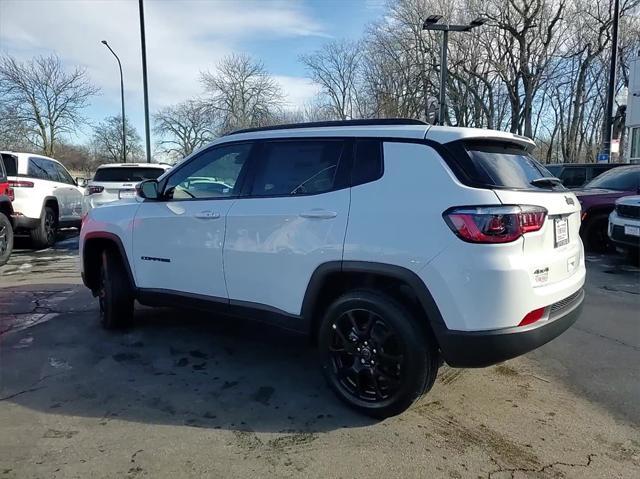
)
(499, 165)
(10, 164)
(127, 174)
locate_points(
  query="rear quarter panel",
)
(398, 218)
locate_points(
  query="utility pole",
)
(605, 152)
(144, 82)
(431, 23)
(124, 132)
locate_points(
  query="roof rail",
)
(320, 124)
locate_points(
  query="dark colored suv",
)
(574, 175)
(6, 213)
(598, 199)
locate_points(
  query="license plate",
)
(127, 194)
(632, 230)
(561, 231)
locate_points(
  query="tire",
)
(633, 256)
(382, 372)
(115, 296)
(595, 232)
(6, 238)
(44, 236)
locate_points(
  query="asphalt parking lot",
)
(184, 395)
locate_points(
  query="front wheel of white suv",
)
(115, 297)
(374, 354)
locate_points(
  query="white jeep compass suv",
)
(46, 196)
(393, 243)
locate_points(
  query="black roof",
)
(319, 124)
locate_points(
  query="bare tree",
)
(335, 67)
(44, 98)
(184, 128)
(107, 141)
(242, 94)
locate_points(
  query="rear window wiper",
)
(546, 181)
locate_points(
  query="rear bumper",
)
(469, 349)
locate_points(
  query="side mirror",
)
(148, 189)
(81, 182)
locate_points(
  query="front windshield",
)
(620, 179)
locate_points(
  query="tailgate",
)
(554, 252)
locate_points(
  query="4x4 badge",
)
(569, 200)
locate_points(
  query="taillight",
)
(93, 189)
(11, 194)
(494, 224)
(21, 184)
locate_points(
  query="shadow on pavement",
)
(176, 367)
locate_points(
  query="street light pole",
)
(144, 82)
(608, 112)
(431, 23)
(443, 77)
(124, 132)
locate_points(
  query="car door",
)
(49, 185)
(73, 196)
(293, 220)
(177, 241)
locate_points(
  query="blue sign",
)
(603, 157)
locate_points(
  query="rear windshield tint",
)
(10, 164)
(127, 174)
(499, 165)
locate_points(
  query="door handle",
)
(319, 214)
(208, 215)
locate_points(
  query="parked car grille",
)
(565, 303)
(628, 211)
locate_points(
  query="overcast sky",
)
(183, 38)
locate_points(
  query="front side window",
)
(303, 167)
(63, 174)
(213, 174)
(621, 179)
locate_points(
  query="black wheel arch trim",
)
(113, 238)
(320, 275)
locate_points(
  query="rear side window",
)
(10, 164)
(367, 164)
(123, 174)
(3, 174)
(288, 168)
(497, 165)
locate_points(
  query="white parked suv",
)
(46, 196)
(393, 243)
(116, 181)
(624, 225)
